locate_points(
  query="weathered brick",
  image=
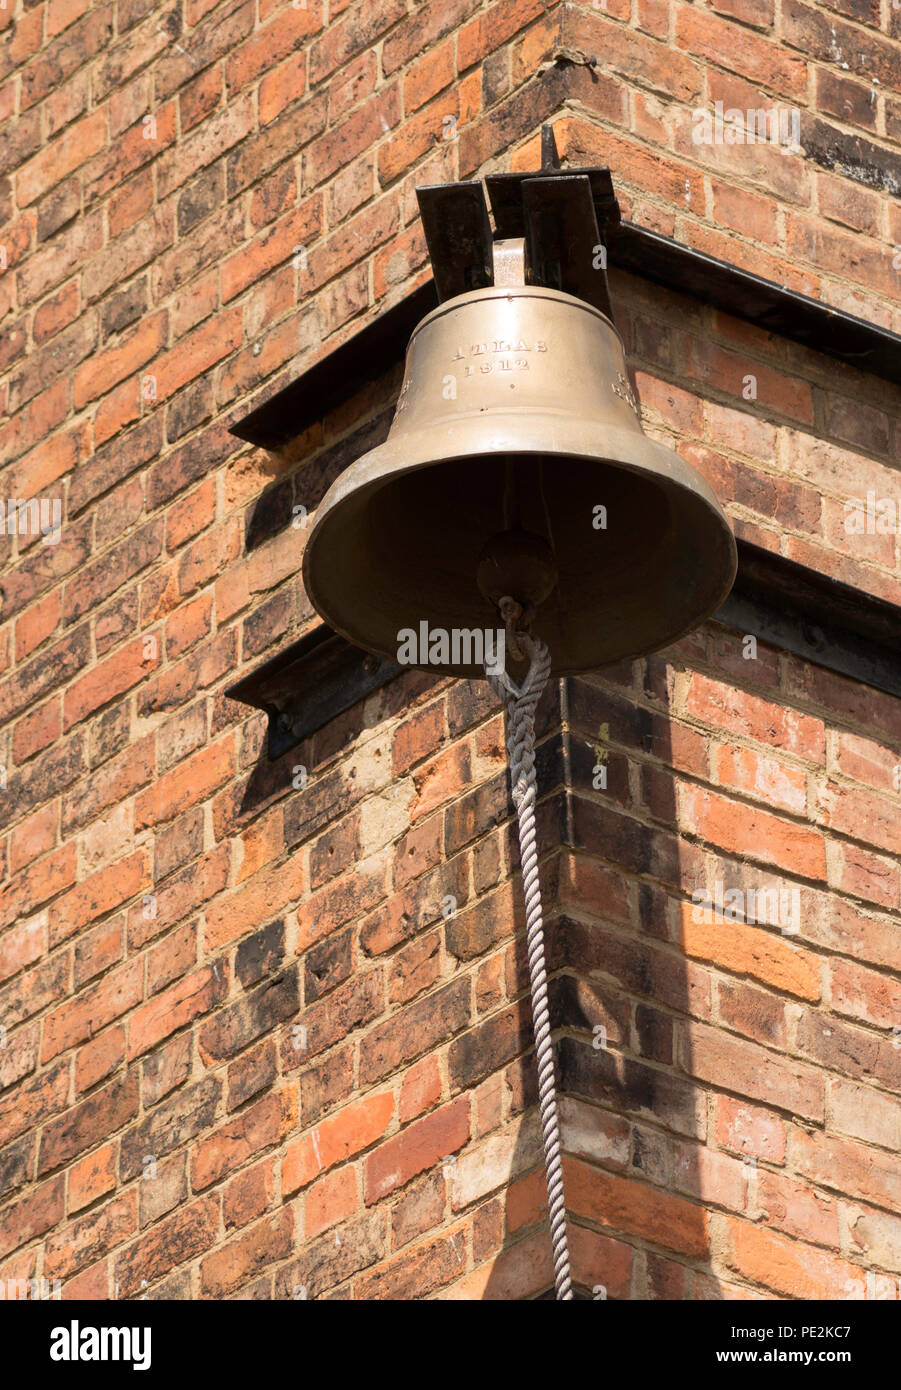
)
(725, 1061)
(186, 1000)
(172, 1242)
(33, 990)
(34, 1101)
(17, 1164)
(108, 679)
(336, 1139)
(790, 1268)
(102, 892)
(91, 1177)
(251, 1073)
(88, 1123)
(225, 1149)
(416, 1029)
(415, 1149)
(752, 949)
(241, 1258)
(79, 1018)
(165, 1069)
(323, 1264)
(71, 1248)
(169, 1125)
(249, 1194)
(417, 1270)
(31, 1216)
(195, 780)
(243, 1022)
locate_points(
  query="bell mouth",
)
(642, 549)
(528, 382)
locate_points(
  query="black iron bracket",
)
(768, 306)
(309, 683)
(457, 230)
(799, 610)
(563, 216)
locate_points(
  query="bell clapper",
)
(516, 620)
(516, 573)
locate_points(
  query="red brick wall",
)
(749, 1092)
(245, 1052)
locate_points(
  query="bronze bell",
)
(516, 452)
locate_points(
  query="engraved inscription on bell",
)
(496, 345)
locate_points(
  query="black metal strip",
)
(309, 683)
(506, 195)
(364, 357)
(458, 236)
(550, 155)
(563, 242)
(758, 301)
(794, 608)
(800, 610)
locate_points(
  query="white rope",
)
(520, 703)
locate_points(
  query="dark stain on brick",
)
(261, 954)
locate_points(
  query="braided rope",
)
(520, 703)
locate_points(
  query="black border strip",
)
(769, 306)
(364, 357)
